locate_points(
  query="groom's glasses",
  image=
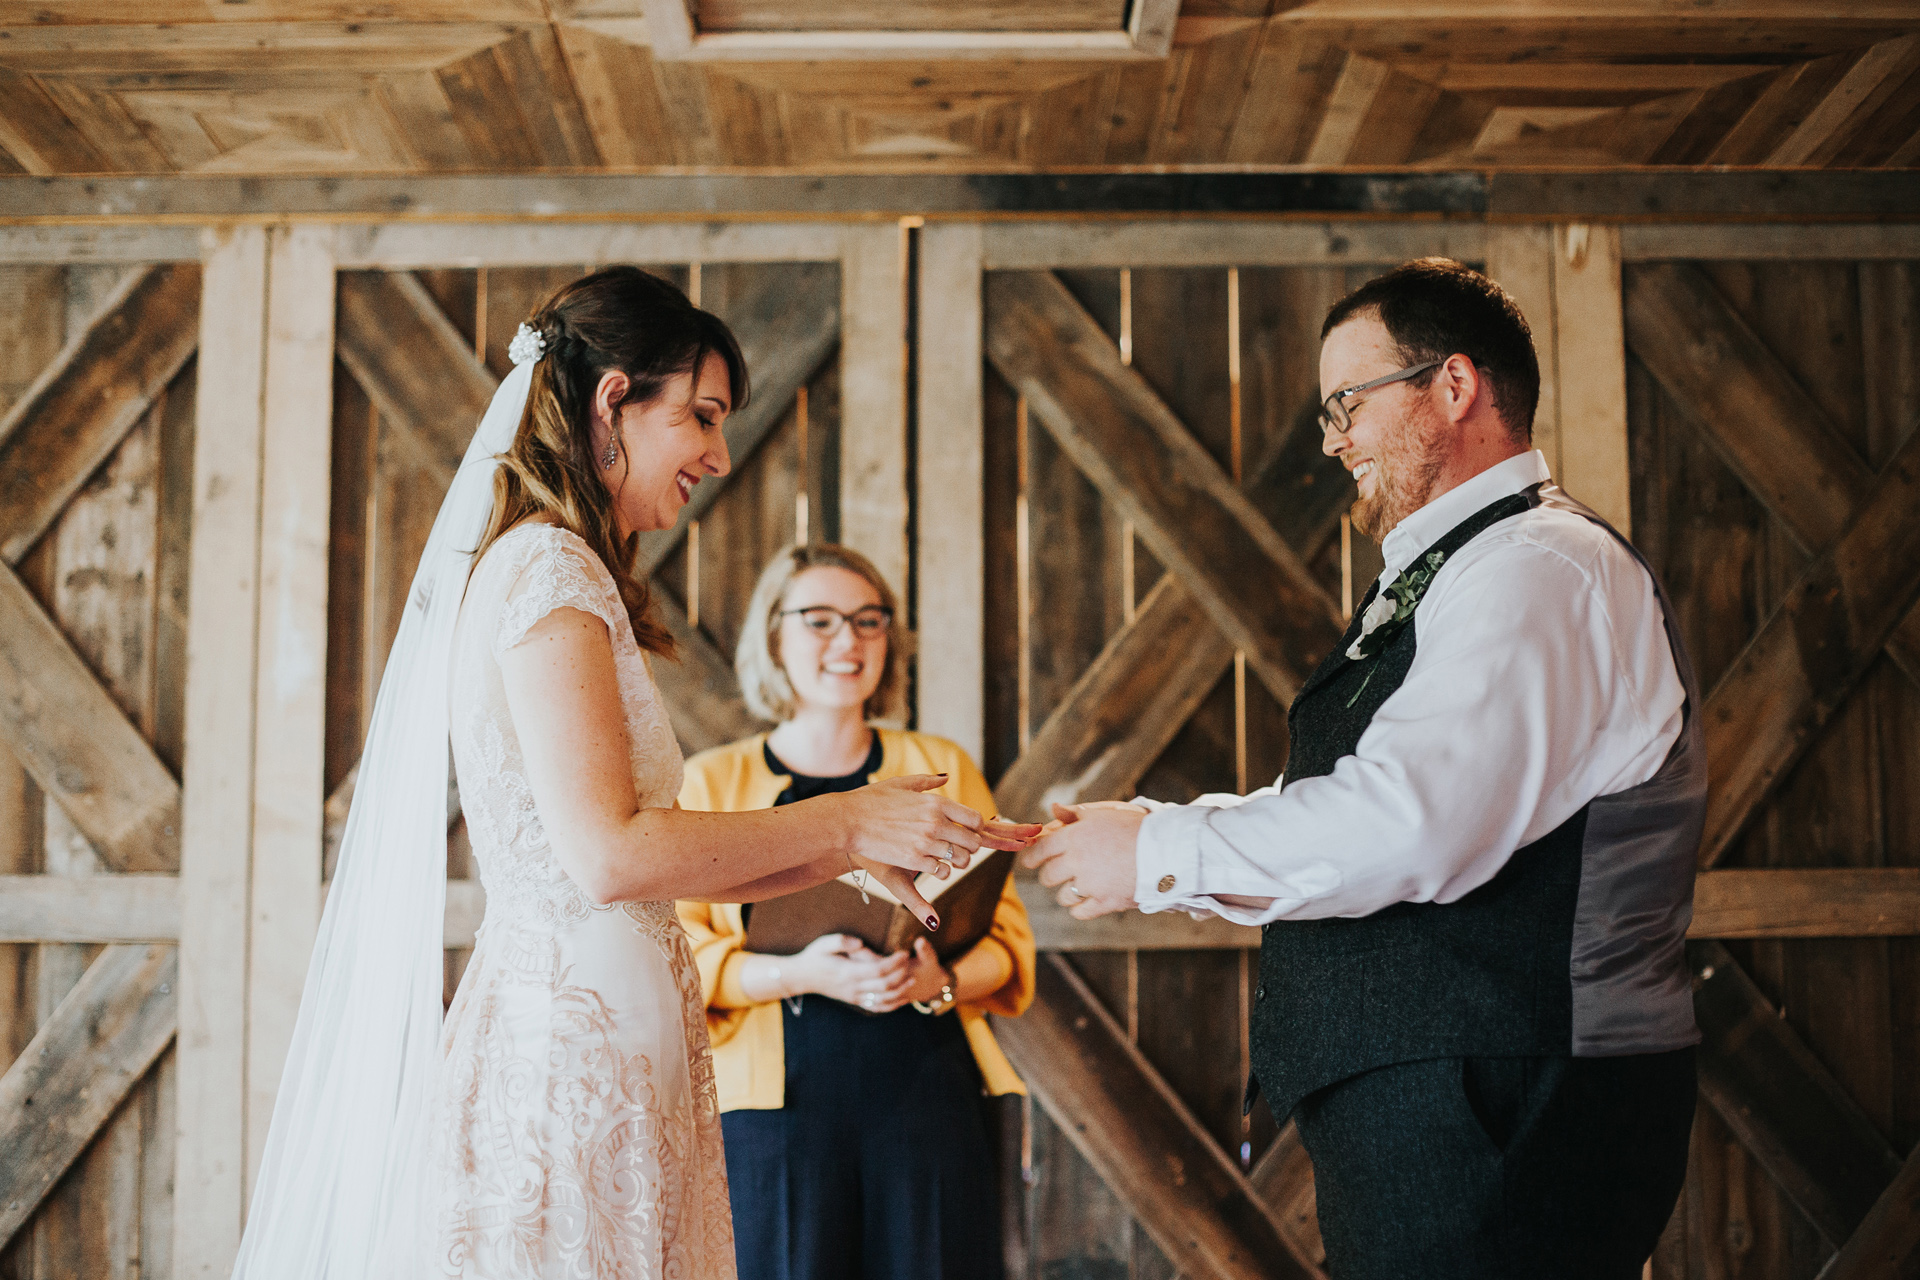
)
(825, 621)
(1333, 413)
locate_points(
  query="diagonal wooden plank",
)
(58, 1093)
(1137, 453)
(78, 745)
(700, 690)
(1153, 674)
(1887, 1244)
(1785, 1108)
(788, 324)
(1849, 104)
(1283, 1175)
(412, 363)
(82, 405)
(1806, 659)
(1770, 431)
(1138, 1136)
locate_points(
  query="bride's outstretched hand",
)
(901, 827)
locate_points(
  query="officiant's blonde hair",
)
(756, 659)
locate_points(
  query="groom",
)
(1475, 878)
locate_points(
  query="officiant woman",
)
(852, 1085)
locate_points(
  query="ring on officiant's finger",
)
(866, 1001)
(1070, 887)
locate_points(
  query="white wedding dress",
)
(577, 1132)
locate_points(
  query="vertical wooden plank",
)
(290, 695)
(1590, 363)
(952, 666)
(873, 392)
(1520, 259)
(217, 800)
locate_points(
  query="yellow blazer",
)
(749, 1048)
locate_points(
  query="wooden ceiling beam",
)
(77, 1070)
(1850, 103)
(1473, 194)
(1141, 457)
(1784, 1107)
(1138, 1135)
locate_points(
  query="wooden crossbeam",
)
(1785, 1108)
(80, 1066)
(82, 405)
(1789, 454)
(1283, 1175)
(78, 744)
(412, 363)
(1153, 674)
(1805, 661)
(1139, 1136)
(788, 325)
(1141, 457)
(700, 690)
(1807, 902)
(1887, 1243)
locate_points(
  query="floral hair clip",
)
(528, 345)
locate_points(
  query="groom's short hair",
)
(1434, 308)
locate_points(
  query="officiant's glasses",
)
(1333, 413)
(825, 621)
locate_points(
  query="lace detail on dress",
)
(581, 1131)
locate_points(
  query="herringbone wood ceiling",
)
(344, 86)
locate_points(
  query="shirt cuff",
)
(1167, 858)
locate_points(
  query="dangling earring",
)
(612, 455)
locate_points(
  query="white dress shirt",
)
(1542, 679)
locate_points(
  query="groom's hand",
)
(1087, 855)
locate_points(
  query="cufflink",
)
(1165, 885)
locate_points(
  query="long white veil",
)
(342, 1187)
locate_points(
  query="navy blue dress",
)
(879, 1166)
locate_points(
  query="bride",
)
(563, 1122)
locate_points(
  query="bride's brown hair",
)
(618, 318)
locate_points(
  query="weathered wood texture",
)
(1814, 355)
(1198, 1207)
(91, 1052)
(507, 86)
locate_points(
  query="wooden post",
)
(1590, 363)
(256, 663)
(290, 694)
(217, 805)
(952, 542)
(1520, 260)
(1566, 280)
(873, 397)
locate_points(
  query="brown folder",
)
(966, 901)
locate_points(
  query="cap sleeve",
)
(559, 571)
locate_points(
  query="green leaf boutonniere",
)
(1392, 610)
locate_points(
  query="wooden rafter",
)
(81, 1064)
(1136, 1133)
(1154, 673)
(1785, 1108)
(1141, 457)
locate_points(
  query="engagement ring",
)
(1071, 888)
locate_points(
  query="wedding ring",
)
(1074, 889)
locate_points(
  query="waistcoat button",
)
(1260, 993)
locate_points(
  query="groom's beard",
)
(1405, 470)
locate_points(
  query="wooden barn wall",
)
(112, 572)
(1847, 333)
(1061, 575)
